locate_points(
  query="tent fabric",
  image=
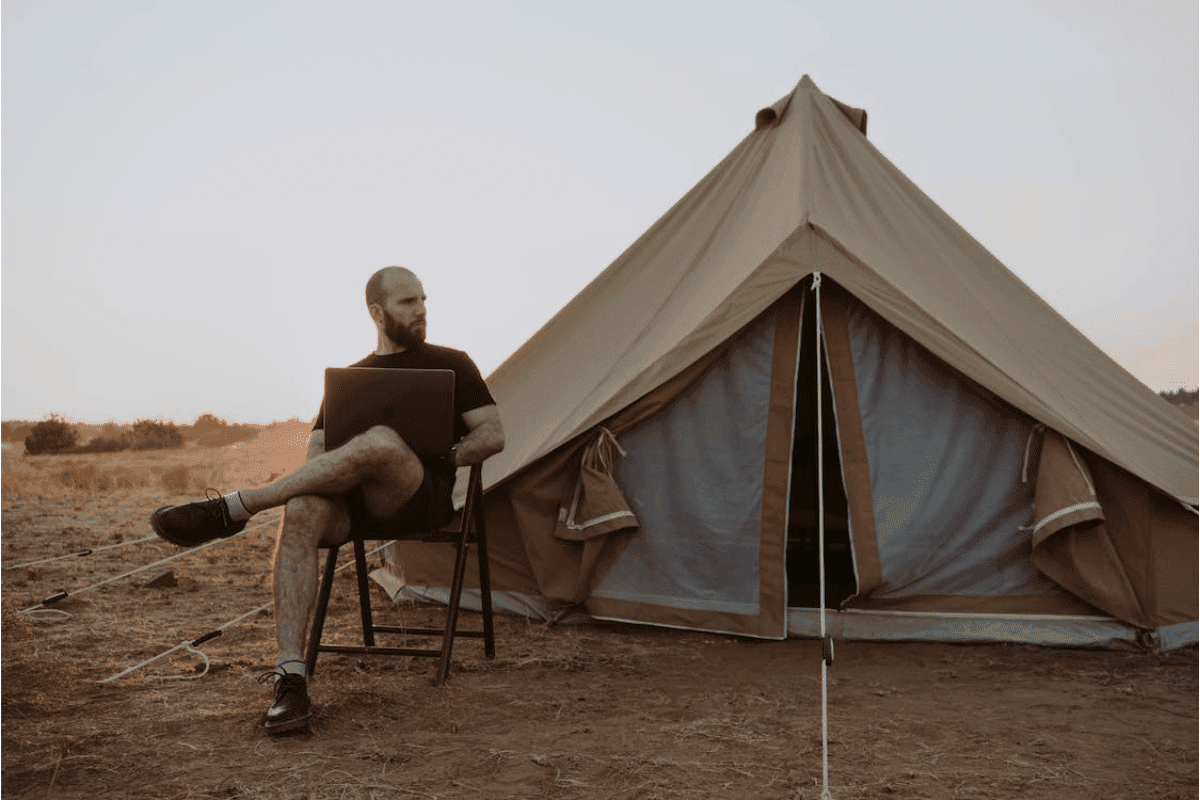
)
(1035, 541)
(963, 628)
(947, 495)
(701, 475)
(810, 193)
(523, 513)
(700, 497)
(806, 192)
(979, 561)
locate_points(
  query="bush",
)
(50, 436)
(211, 431)
(152, 434)
(206, 423)
(1181, 397)
(101, 446)
(55, 436)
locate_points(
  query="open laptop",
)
(416, 403)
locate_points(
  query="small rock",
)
(164, 581)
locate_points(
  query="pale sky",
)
(195, 191)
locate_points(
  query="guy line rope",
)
(62, 595)
(826, 640)
(191, 645)
(79, 554)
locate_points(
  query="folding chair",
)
(468, 529)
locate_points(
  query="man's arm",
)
(486, 436)
(316, 444)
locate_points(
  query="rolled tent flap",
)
(1071, 543)
(594, 506)
(1112, 540)
(591, 510)
(1066, 493)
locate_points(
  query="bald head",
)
(378, 286)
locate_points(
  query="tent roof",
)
(807, 192)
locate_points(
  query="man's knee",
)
(315, 518)
(309, 508)
(382, 445)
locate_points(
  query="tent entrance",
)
(803, 562)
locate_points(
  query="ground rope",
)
(191, 645)
(80, 554)
(59, 596)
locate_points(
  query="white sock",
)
(291, 668)
(237, 510)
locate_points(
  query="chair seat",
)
(469, 530)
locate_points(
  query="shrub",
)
(206, 423)
(152, 434)
(211, 431)
(1181, 397)
(101, 446)
(50, 436)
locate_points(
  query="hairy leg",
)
(308, 522)
(380, 465)
(378, 461)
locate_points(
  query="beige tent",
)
(988, 472)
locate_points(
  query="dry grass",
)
(571, 713)
(180, 471)
(185, 471)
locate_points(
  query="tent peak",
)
(772, 114)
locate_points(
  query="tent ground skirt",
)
(1055, 630)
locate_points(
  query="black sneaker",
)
(195, 523)
(290, 708)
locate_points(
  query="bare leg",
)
(378, 461)
(380, 465)
(308, 522)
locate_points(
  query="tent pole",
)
(826, 640)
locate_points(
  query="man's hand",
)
(486, 436)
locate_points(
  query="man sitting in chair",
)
(375, 476)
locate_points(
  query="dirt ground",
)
(595, 711)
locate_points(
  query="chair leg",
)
(318, 625)
(364, 592)
(456, 587)
(485, 584)
(473, 513)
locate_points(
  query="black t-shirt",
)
(470, 392)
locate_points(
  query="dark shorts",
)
(429, 509)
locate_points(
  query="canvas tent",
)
(988, 472)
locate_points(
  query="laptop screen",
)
(416, 403)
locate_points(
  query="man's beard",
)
(406, 336)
